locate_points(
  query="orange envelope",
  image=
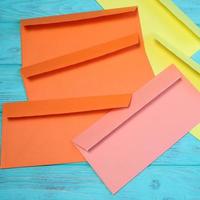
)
(40, 132)
(85, 54)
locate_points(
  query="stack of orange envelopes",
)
(92, 96)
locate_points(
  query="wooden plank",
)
(11, 84)
(190, 8)
(10, 48)
(14, 10)
(185, 152)
(78, 181)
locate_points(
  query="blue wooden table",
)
(174, 176)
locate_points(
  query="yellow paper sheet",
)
(181, 16)
(156, 19)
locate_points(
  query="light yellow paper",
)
(181, 16)
(178, 52)
(157, 19)
(196, 131)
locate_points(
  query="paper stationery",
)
(175, 10)
(40, 132)
(170, 28)
(84, 54)
(178, 52)
(122, 143)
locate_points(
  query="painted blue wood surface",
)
(196, 57)
(173, 176)
(191, 8)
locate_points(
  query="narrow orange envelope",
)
(85, 54)
(40, 132)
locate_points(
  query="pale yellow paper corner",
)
(196, 131)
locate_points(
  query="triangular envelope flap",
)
(65, 106)
(76, 17)
(177, 52)
(81, 55)
(111, 121)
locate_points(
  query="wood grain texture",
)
(14, 10)
(10, 47)
(191, 8)
(173, 176)
(11, 84)
(79, 182)
(11, 11)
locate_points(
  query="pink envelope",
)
(122, 143)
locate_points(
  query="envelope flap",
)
(81, 56)
(111, 121)
(65, 106)
(183, 17)
(165, 43)
(76, 16)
